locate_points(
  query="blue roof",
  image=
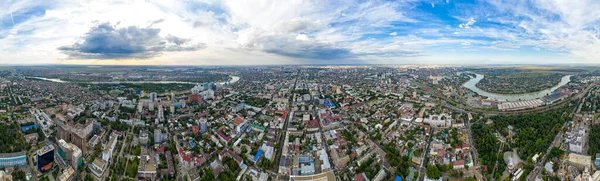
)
(257, 156)
(303, 159)
(398, 178)
(192, 144)
(25, 128)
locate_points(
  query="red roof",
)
(458, 162)
(238, 121)
(359, 177)
(223, 136)
(313, 123)
(184, 156)
(195, 129)
(161, 149)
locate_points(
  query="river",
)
(233, 80)
(513, 97)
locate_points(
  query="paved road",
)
(285, 124)
(426, 157)
(556, 142)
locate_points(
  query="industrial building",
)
(518, 105)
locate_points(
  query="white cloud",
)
(302, 37)
(280, 31)
(468, 24)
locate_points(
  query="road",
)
(474, 152)
(285, 124)
(556, 142)
(426, 157)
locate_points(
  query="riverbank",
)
(471, 84)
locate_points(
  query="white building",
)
(108, 150)
(441, 120)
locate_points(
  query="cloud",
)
(299, 46)
(106, 41)
(393, 33)
(468, 24)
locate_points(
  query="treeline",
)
(11, 140)
(146, 87)
(594, 141)
(486, 143)
(533, 132)
(521, 83)
(255, 101)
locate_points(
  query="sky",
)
(257, 32)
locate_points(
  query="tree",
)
(433, 172)
(88, 177)
(18, 175)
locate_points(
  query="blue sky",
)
(242, 32)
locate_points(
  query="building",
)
(75, 133)
(240, 124)
(64, 150)
(580, 161)
(66, 175)
(575, 139)
(70, 154)
(203, 126)
(153, 96)
(159, 137)
(108, 151)
(98, 167)
(195, 98)
(518, 105)
(597, 161)
(442, 120)
(76, 158)
(13, 159)
(380, 175)
(45, 158)
(458, 164)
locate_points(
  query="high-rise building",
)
(70, 154)
(153, 96)
(151, 106)
(64, 150)
(110, 147)
(45, 158)
(76, 159)
(203, 126)
(75, 133)
(159, 137)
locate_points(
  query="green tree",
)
(18, 175)
(89, 177)
(433, 172)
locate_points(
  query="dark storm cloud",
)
(105, 41)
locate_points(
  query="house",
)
(458, 164)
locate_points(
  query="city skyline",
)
(299, 32)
